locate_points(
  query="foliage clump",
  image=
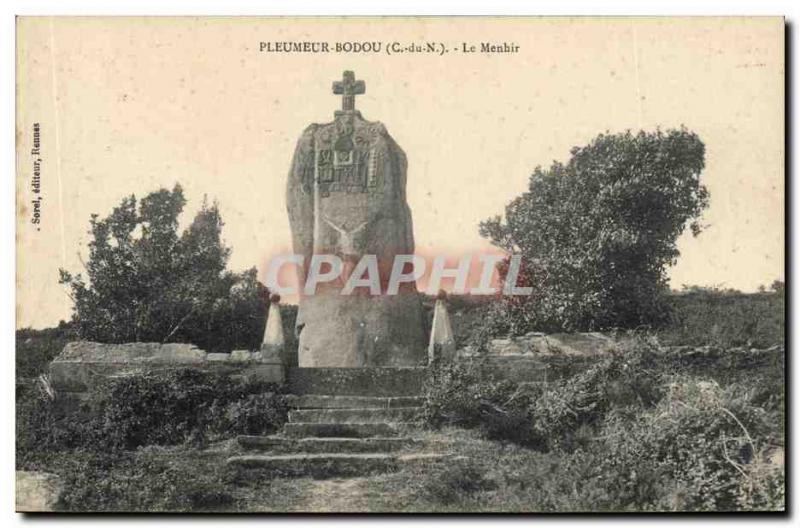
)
(640, 430)
(545, 416)
(182, 406)
(146, 481)
(597, 234)
(145, 281)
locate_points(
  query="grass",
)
(725, 319)
(35, 349)
(680, 452)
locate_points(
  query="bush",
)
(556, 415)
(465, 394)
(596, 235)
(176, 406)
(726, 319)
(453, 482)
(157, 408)
(637, 431)
(704, 445)
(144, 482)
(35, 349)
(148, 282)
(40, 432)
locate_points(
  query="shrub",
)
(452, 482)
(166, 408)
(157, 408)
(40, 432)
(145, 281)
(627, 434)
(557, 414)
(143, 482)
(703, 444)
(252, 414)
(35, 349)
(703, 316)
(597, 234)
(466, 394)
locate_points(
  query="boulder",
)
(82, 364)
(37, 491)
(346, 196)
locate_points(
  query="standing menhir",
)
(346, 197)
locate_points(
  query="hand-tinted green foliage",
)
(146, 282)
(598, 233)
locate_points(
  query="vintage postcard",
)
(413, 264)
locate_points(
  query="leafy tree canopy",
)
(145, 281)
(598, 233)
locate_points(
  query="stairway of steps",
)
(328, 435)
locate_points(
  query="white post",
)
(442, 344)
(272, 346)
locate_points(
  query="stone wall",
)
(536, 357)
(82, 364)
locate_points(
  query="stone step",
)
(348, 430)
(368, 381)
(326, 445)
(344, 416)
(321, 465)
(325, 401)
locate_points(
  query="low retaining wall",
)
(82, 364)
(536, 357)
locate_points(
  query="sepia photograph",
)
(400, 264)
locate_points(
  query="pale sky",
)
(129, 105)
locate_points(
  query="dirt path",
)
(336, 495)
(356, 494)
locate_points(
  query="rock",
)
(535, 334)
(37, 492)
(537, 344)
(88, 351)
(82, 362)
(242, 355)
(267, 354)
(346, 196)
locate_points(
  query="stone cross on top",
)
(348, 88)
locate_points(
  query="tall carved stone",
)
(346, 195)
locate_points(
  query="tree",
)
(778, 286)
(147, 282)
(597, 234)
